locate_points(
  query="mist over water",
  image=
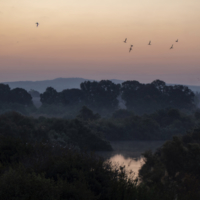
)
(129, 153)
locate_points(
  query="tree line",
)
(17, 95)
(159, 125)
(137, 96)
(104, 95)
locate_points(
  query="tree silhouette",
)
(21, 96)
(4, 93)
(87, 114)
(72, 96)
(50, 96)
(101, 94)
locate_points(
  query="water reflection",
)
(129, 153)
(131, 164)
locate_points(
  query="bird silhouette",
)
(130, 48)
(171, 47)
(177, 40)
(149, 42)
(37, 24)
(125, 40)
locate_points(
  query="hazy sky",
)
(84, 38)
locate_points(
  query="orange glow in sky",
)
(77, 38)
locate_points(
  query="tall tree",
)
(21, 96)
(180, 96)
(4, 93)
(101, 94)
(72, 96)
(50, 96)
(160, 85)
(129, 91)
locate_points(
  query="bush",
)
(56, 131)
(175, 167)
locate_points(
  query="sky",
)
(77, 38)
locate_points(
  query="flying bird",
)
(130, 48)
(177, 40)
(149, 42)
(125, 40)
(171, 47)
(37, 24)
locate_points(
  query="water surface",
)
(129, 153)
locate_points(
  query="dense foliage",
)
(101, 94)
(42, 171)
(17, 95)
(53, 131)
(145, 98)
(161, 125)
(122, 125)
(16, 99)
(103, 97)
(175, 167)
(138, 97)
(42, 158)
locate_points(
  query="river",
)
(129, 153)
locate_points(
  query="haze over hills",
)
(64, 83)
(59, 84)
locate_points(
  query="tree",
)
(129, 91)
(142, 98)
(146, 98)
(160, 85)
(21, 96)
(122, 114)
(101, 94)
(180, 96)
(72, 96)
(197, 114)
(87, 114)
(175, 166)
(50, 96)
(4, 93)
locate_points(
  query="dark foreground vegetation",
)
(42, 171)
(175, 167)
(89, 131)
(161, 125)
(52, 131)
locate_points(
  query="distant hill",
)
(59, 84)
(64, 83)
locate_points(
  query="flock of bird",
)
(37, 24)
(148, 44)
